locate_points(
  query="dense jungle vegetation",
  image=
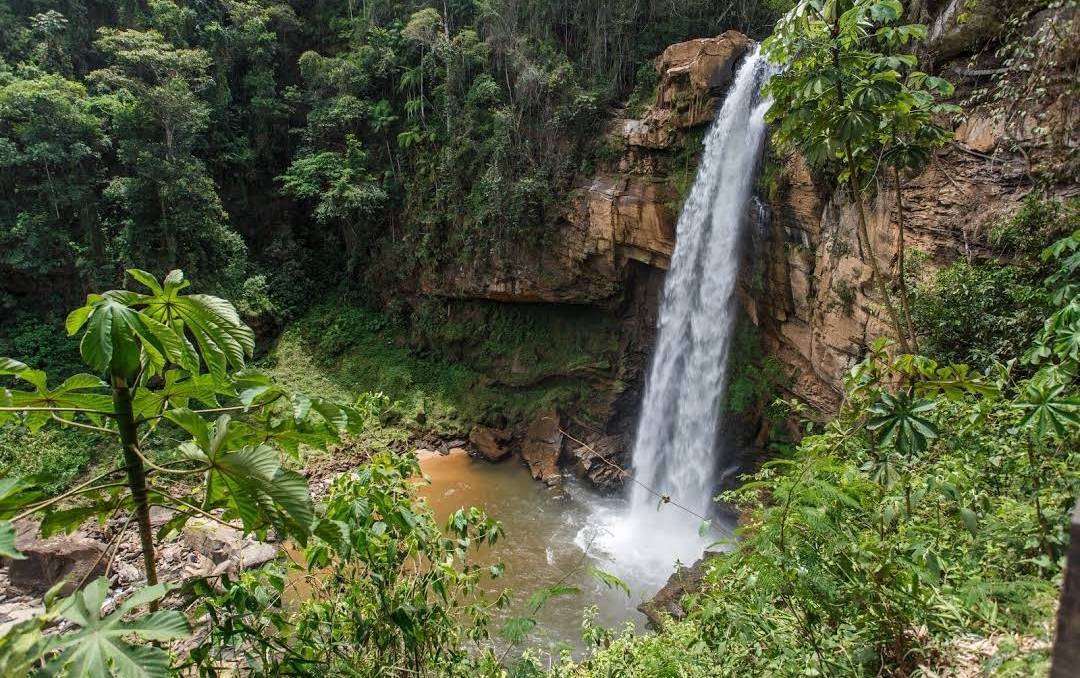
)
(185, 181)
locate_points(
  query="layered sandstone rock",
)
(542, 447)
(820, 309)
(693, 75)
(625, 212)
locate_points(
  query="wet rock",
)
(490, 442)
(668, 600)
(222, 544)
(597, 462)
(70, 558)
(454, 451)
(542, 447)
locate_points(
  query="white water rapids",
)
(677, 451)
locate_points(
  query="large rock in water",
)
(542, 447)
(70, 558)
(598, 462)
(490, 442)
(668, 600)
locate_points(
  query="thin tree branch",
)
(215, 410)
(192, 507)
(70, 493)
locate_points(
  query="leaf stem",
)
(60, 497)
(88, 427)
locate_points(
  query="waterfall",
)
(676, 451)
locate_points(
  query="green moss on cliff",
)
(449, 365)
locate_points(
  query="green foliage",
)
(41, 342)
(753, 378)
(644, 93)
(447, 365)
(978, 313)
(153, 348)
(101, 644)
(1039, 221)
(850, 91)
(389, 587)
(59, 455)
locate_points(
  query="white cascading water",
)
(676, 451)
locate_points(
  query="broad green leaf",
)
(101, 645)
(611, 581)
(76, 319)
(901, 421)
(971, 521)
(7, 541)
(1049, 408)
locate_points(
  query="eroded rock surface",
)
(693, 75)
(542, 447)
(491, 443)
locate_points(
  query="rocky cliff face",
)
(805, 284)
(612, 245)
(818, 309)
(627, 211)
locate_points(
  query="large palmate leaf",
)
(1049, 408)
(78, 392)
(902, 421)
(211, 323)
(179, 389)
(246, 479)
(101, 645)
(117, 337)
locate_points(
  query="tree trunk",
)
(136, 473)
(905, 297)
(879, 278)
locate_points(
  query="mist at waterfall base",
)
(677, 452)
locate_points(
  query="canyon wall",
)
(817, 308)
(805, 285)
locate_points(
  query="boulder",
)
(668, 600)
(490, 442)
(964, 27)
(71, 558)
(542, 447)
(226, 544)
(591, 462)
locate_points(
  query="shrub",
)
(979, 313)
